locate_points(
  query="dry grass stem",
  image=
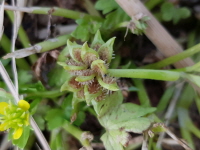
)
(170, 110)
(1, 18)
(13, 91)
(155, 31)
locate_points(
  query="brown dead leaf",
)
(44, 64)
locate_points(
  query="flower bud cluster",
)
(89, 69)
(16, 117)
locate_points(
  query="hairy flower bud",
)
(89, 67)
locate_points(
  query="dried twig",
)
(155, 31)
(16, 24)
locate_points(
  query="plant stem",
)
(40, 47)
(89, 6)
(77, 133)
(45, 94)
(145, 74)
(170, 60)
(142, 93)
(55, 11)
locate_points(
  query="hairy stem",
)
(40, 47)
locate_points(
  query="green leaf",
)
(108, 104)
(193, 78)
(63, 54)
(171, 13)
(34, 106)
(110, 142)
(85, 28)
(57, 141)
(55, 118)
(129, 117)
(81, 32)
(40, 121)
(58, 76)
(24, 77)
(118, 119)
(31, 88)
(185, 12)
(114, 18)
(21, 142)
(106, 5)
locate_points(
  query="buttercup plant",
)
(14, 116)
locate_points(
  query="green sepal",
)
(106, 50)
(72, 48)
(74, 68)
(71, 68)
(88, 55)
(89, 97)
(111, 87)
(85, 78)
(99, 67)
(97, 41)
(67, 87)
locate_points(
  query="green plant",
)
(171, 13)
(82, 82)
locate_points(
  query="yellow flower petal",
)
(2, 127)
(18, 133)
(24, 105)
(3, 105)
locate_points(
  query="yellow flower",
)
(16, 117)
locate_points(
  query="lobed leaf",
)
(110, 142)
(107, 105)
